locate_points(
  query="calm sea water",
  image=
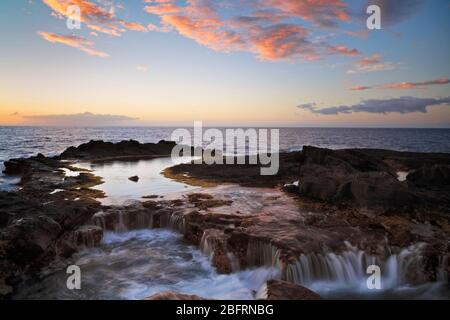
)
(27, 141)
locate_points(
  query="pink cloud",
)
(372, 63)
(320, 12)
(282, 42)
(343, 50)
(405, 85)
(261, 31)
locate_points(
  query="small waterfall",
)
(177, 222)
(442, 274)
(260, 253)
(206, 245)
(349, 267)
(123, 219)
(345, 267)
(87, 236)
(211, 241)
(120, 225)
(99, 220)
(234, 262)
(164, 221)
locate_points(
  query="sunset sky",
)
(230, 62)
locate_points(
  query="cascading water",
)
(135, 264)
(177, 222)
(87, 236)
(350, 267)
(260, 253)
(206, 246)
(120, 226)
(344, 274)
(211, 240)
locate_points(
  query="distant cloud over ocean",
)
(80, 119)
(400, 105)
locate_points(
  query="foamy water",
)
(137, 264)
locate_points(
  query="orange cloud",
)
(405, 85)
(78, 42)
(320, 12)
(261, 31)
(204, 33)
(97, 17)
(109, 31)
(282, 42)
(134, 26)
(161, 9)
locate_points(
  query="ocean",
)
(27, 141)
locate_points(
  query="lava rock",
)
(430, 176)
(98, 149)
(282, 290)
(134, 178)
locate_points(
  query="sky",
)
(226, 63)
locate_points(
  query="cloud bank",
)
(402, 105)
(80, 119)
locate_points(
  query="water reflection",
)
(118, 188)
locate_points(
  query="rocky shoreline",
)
(322, 201)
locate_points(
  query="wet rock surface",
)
(282, 290)
(339, 197)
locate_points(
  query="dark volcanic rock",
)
(27, 165)
(243, 174)
(94, 150)
(134, 178)
(28, 241)
(371, 189)
(88, 236)
(282, 290)
(34, 234)
(351, 159)
(430, 176)
(353, 177)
